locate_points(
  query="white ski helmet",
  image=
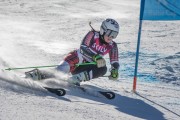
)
(110, 28)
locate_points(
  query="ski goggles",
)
(111, 33)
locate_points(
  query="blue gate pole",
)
(137, 56)
(138, 44)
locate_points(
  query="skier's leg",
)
(63, 67)
(92, 70)
(66, 66)
(85, 73)
(98, 72)
(69, 65)
(77, 78)
(69, 62)
(37, 74)
(33, 74)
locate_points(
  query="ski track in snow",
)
(34, 33)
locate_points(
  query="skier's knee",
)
(103, 71)
(63, 67)
(99, 72)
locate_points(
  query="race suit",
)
(91, 45)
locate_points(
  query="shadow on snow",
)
(127, 105)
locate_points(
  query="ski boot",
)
(77, 78)
(34, 74)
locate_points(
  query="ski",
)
(103, 94)
(61, 92)
(108, 95)
(57, 91)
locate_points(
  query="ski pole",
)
(91, 63)
(30, 67)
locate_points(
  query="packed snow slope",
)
(42, 32)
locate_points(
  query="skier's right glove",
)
(99, 60)
(114, 74)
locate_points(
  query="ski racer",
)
(94, 46)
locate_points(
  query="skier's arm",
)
(84, 48)
(113, 55)
(114, 60)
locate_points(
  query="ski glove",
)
(100, 61)
(114, 74)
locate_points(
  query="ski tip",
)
(61, 92)
(57, 91)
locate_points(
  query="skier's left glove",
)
(114, 74)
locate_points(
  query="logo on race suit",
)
(99, 48)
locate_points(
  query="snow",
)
(37, 33)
